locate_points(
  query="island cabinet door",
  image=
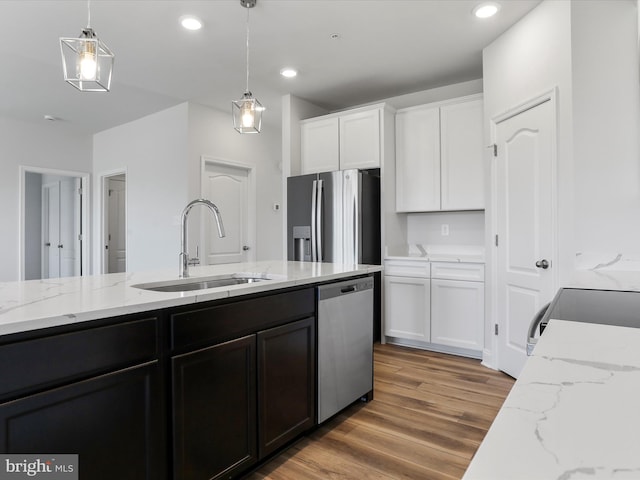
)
(112, 422)
(286, 383)
(214, 410)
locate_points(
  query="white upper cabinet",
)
(342, 141)
(439, 157)
(461, 150)
(418, 160)
(320, 148)
(360, 140)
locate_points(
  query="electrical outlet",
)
(444, 229)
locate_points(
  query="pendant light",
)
(247, 112)
(87, 62)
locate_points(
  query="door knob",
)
(245, 248)
(544, 264)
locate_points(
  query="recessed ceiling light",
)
(190, 22)
(50, 118)
(288, 72)
(334, 36)
(486, 10)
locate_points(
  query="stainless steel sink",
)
(189, 284)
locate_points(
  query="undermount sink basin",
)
(189, 284)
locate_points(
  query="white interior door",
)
(51, 230)
(116, 225)
(228, 188)
(67, 246)
(525, 221)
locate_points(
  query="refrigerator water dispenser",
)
(302, 243)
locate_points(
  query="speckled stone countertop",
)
(574, 412)
(34, 304)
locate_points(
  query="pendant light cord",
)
(88, 13)
(247, 89)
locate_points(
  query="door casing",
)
(84, 214)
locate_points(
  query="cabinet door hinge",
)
(496, 239)
(495, 329)
(495, 150)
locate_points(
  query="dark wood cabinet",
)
(193, 392)
(236, 401)
(113, 422)
(214, 403)
(286, 383)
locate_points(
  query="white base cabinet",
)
(457, 313)
(435, 305)
(407, 307)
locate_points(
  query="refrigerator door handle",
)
(351, 218)
(319, 219)
(314, 198)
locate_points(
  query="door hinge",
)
(110, 192)
(496, 239)
(495, 329)
(80, 237)
(80, 191)
(495, 150)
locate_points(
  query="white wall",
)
(606, 123)
(153, 150)
(588, 51)
(211, 133)
(45, 146)
(465, 228)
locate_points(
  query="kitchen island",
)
(155, 385)
(574, 412)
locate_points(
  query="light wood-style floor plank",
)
(429, 414)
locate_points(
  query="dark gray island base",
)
(200, 391)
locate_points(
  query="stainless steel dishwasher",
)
(345, 345)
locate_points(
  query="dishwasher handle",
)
(348, 287)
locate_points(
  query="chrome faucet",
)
(184, 254)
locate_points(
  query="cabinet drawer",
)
(42, 362)
(224, 322)
(407, 268)
(458, 271)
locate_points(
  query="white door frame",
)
(103, 180)
(85, 217)
(251, 187)
(548, 96)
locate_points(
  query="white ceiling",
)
(386, 48)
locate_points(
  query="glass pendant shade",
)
(87, 62)
(247, 114)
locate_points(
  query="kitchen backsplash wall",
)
(464, 228)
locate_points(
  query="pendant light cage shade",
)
(87, 62)
(247, 114)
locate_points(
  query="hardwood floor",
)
(429, 414)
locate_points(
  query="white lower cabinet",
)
(457, 313)
(435, 305)
(407, 308)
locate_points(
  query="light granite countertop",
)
(574, 412)
(35, 304)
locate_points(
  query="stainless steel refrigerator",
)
(334, 217)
